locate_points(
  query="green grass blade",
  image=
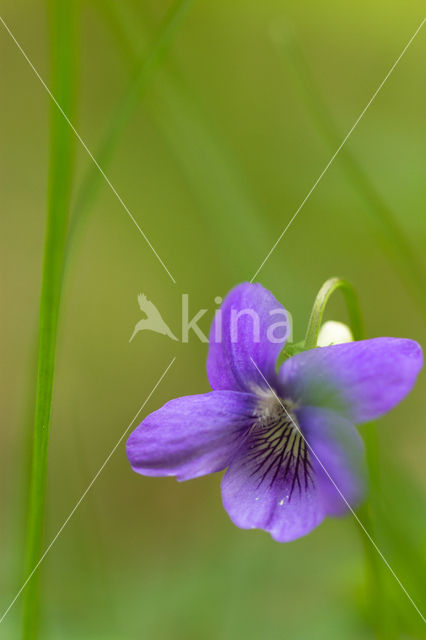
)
(215, 179)
(63, 81)
(122, 114)
(391, 235)
(206, 162)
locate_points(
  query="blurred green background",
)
(214, 161)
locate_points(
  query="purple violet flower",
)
(253, 420)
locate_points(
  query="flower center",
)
(277, 448)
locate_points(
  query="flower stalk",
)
(63, 61)
(317, 313)
(374, 575)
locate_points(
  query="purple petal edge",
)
(361, 380)
(251, 325)
(191, 436)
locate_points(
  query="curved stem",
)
(324, 294)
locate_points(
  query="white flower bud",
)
(333, 332)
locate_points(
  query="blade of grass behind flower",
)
(144, 70)
(392, 515)
(215, 179)
(205, 160)
(399, 512)
(390, 233)
(63, 85)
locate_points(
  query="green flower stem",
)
(354, 311)
(380, 616)
(391, 235)
(63, 60)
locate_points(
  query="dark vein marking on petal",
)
(279, 453)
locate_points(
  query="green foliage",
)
(63, 87)
(389, 230)
(208, 142)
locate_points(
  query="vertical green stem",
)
(380, 618)
(63, 60)
(380, 614)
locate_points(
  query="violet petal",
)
(361, 380)
(260, 491)
(337, 455)
(191, 436)
(259, 332)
